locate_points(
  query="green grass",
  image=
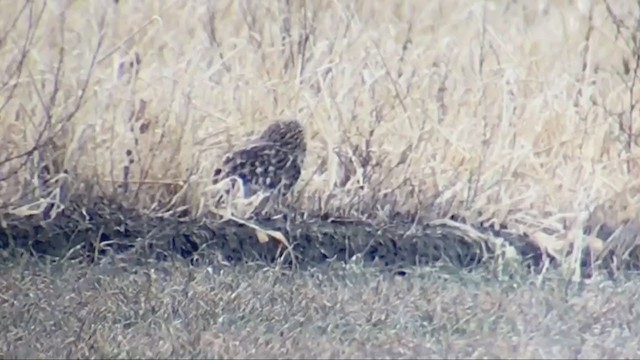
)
(169, 310)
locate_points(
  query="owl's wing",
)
(245, 161)
(250, 153)
(265, 165)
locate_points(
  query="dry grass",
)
(520, 112)
(171, 311)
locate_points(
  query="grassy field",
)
(161, 311)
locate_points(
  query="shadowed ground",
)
(105, 227)
(171, 310)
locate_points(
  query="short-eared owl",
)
(270, 163)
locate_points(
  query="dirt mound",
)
(103, 227)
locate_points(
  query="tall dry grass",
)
(522, 112)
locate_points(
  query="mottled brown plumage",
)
(271, 163)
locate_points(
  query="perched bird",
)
(271, 163)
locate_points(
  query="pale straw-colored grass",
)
(490, 109)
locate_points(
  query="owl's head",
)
(287, 134)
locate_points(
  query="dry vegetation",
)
(515, 112)
(521, 113)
